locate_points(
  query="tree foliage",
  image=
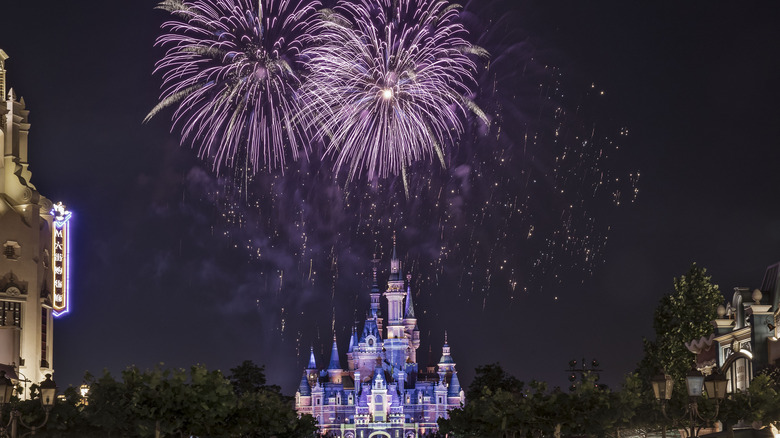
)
(502, 406)
(681, 316)
(174, 403)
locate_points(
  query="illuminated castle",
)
(33, 257)
(382, 392)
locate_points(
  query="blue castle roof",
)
(454, 390)
(334, 356)
(304, 388)
(312, 362)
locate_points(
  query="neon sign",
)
(60, 259)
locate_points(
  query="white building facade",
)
(33, 253)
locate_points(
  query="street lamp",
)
(48, 392)
(715, 385)
(48, 395)
(662, 387)
(6, 388)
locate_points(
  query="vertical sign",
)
(60, 262)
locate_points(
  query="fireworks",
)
(523, 204)
(389, 83)
(232, 70)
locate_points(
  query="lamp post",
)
(48, 394)
(715, 385)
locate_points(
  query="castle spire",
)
(352, 340)
(374, 269)
(409, 311)
(446, 357)
(454, 389)
(334, 356)
(395, 265)
(312, 362)
(303, 387)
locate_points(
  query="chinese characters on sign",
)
(60, 260)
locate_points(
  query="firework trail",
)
(390, 83)
(524, 202)
(233, 70)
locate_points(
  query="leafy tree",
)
(502, 406)
(109, 405)
(681, 316)
(247, 378)
(176, 402)
(492, 377)
(262, 410)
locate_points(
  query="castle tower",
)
(446, 363)
(353, 342)
(34, 258)
(376, 313)
(311, 368)
(410, 322)
(396, 343)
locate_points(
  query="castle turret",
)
(446, 363)
(410, 322)
(311, 368)
(334, 367)
(353, 341)
(455, 395)
(396, 344)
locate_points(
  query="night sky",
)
(172, 265)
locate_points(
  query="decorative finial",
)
(445, 336)
(757, 295)
(375, 262)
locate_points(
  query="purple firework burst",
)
(390, 83)
(232, 70)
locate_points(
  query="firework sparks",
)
(389, 83)
(232, 70)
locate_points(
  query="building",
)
(745, 335)
(34, 259)
(382, 392)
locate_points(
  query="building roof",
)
(304, 388)
(454, 390)
(334, 356)
(409, 313)
(312, 362)
(353, 340)
(370, 329)
(445, 352)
